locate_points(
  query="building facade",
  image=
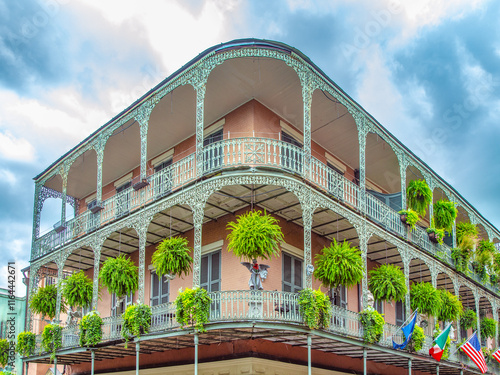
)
(12, 320)
(250, 124)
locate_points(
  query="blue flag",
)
(407, 331)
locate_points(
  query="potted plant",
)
(136, 321)
(417, 340)
(172, 257)
(409, 217)
(52, 339)
(451, 307)
(193, 308)
(26, 343)
(488, 328)
(90, 329)
(255, 235)
(373, 325)
(445, 214)
(44, 302)
(314, 306)
(339, 264)
(418, 196)
(77, 290)
(435, 235)
(425, 298)
(119, 275)
(4, 352)
(387, 283)
(468, 319)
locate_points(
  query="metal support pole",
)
(92, 354)
(27, 363)
(409, 366)
(55, 365)
(309, 341)
(195, 354)
(364, 361)
(137, 349)
(437, 369)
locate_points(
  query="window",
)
(400, 313)
(50, 280)
(210, 272)
(163, 183)
(291, 158)
(160, 289)
(338, 297)
(213, 154)
(118, 307)
(122, 199)
(379, 306)
(292, 273)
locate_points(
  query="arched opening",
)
(420, 272)
(468, 303)
(486, 313)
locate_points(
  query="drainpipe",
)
(196, 354)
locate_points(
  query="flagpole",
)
(457, 349)
(406, 321)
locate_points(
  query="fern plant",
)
(373, 325)
(119, 275)
(435, 235)
(488, 328)
(445, 214)
(77, 290)
(136, 321)
(52, 339)
(339, 264)
(451, 307)
(90, 329)
(255, 235)
(418, 196)
(425, 298)
(314, 306)
(4, 352)
(26, 343)
(44, 302)
(387, 283)
(468, 319)
(417, 340)
(409, 217)
(172, 257)
(193, 308)
(466, 229)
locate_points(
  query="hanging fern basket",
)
(426, 298)
(418, 196)
(387, 283)
(44, 302)
(172, 257)
(451, 307)
(255, 234)
(445, 214)
(119, 275)
(77, 290)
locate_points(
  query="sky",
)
(428, 71)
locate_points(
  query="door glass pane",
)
(215, 266)
(204, 270)
(287, 268)
(298, 273)
(156, 291)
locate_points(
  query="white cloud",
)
(8, 176)
(13, 148)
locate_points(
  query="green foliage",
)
(387, 283)
(483, 259)
(418, 196)
(172, 257)
(409, 217)
(488, 328)
(461, 258)
(52, 339)
(255, 235)
(4, 352)
(486, 246)
(466, 229)
(90, 329)
(193, 307)
(426, 298)
(26, 343)
(119, 275)
(373, 325)
(438, 234)
(468, 319)
(339, 264)
(447, 346)
(77, 290)
(44, 302)
(417, 339)
(488, 354)
(451, 307)
(315, 308)
(136, 320)
(445, 214)
(496, 263)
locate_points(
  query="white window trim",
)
(90, 198)
(292, 131)
(162, 157)
(214, 127)
(123, 180)
(292, 250)
(217, 245)
(335, 162)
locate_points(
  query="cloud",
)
(13, 148)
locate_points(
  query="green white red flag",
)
(437, 350)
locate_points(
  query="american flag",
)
(472, 348)
(496, 355)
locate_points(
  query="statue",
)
(258, 272)
(369, 299)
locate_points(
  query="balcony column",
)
(307, 218)
(457, 293)
(478, 321)
(99, 149)
(495, 317)
(430, 183)
(64, 176)
(142, 117)
(362, 132)
(33, 286)
(406, 269)
(60, 268)
(307, 91)
(141, 227)
(363, 247)
(200, 87)
(37, 210)
(198, 214)
(402, 174)
(96, 246)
